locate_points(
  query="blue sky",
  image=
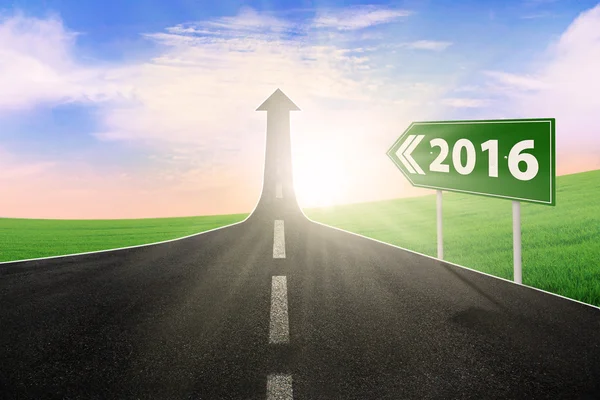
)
(112, 28)
(137, 98)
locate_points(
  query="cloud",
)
(247, 21)
(565, 88)
(37, 66)
(517, 82)
(212, 69)
(203, 82)
(457, 102)
(192, 107)
(205, 71)
(251, 20)
(538, 15)
(467, 88)
(358, 17)
(427, 45)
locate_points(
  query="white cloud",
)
(208, 69)
(250, 19)
(197, 98)
(358, 17)
(201, 79)
(246, 21)
(37, 66)
(566, 88)
(459, 102)
(215, 85)
(427, 45)
(517, 82)
(537, 15)
(467, 88)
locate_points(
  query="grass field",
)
(561, 244)
(32, 238)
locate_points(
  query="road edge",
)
(449, 262)
(125, 248)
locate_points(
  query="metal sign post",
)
(440, 237)
(517, 274)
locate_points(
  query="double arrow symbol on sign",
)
(404, 154)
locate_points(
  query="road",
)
(191, 319)
(279, 308)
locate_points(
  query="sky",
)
(142, 109)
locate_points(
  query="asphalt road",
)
(195, 319)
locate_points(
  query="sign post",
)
(518, 271)
(512, 159)
(440, 236)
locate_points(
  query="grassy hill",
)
(561, 244)
(33, 238)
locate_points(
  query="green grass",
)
(33, 238)
(561, 244)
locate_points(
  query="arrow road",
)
(279, 307)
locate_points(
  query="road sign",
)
(511, 159)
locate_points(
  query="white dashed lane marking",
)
(279, 387)
(279, 240)
(279, 331)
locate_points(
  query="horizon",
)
(332, 206)
(136, 111)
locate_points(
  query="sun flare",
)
(318, 181)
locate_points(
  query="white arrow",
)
(401, 150)
(404, 154)
(411, 148)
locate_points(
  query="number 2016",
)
(514, 158)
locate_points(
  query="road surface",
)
(191, 319)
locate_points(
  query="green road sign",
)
(511, 159)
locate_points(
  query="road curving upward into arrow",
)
(279, 307)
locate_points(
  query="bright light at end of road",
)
(319, 179)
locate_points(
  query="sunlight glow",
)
(319, 178)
